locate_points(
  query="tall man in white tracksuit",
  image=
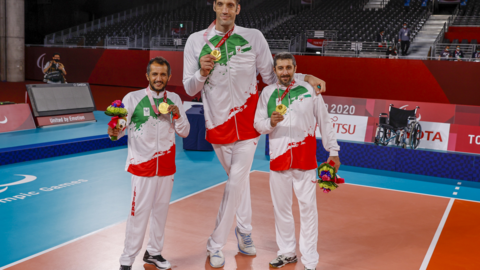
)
(222, 62)
(151, 161)
(293, 160)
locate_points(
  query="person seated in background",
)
(476, 55)
(381, 38)
(392, 53)
(445, 55)
(54, 71)
(458, 54)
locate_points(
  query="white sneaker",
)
(245, 243)
(217, 260)
(282, 260)
(158, 261)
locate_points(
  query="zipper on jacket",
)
(230, 85)
(290, 131)
(156, 139)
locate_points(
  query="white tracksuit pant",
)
(304, 184)
(236, 158)
(150, 199)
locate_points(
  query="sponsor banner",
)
(434, 136)
(64, 119)
(431, 112)
(467, 138)
(348, 127)
(315, 43)
(15, 117)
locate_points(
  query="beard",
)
(152, 86)
(286, 83)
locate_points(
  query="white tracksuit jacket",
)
(230, 93)
(293, 142)
(151, 139)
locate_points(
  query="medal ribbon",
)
(150, 97)
(222, 41)
(286, 91)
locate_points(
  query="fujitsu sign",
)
(348, 127)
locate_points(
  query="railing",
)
(466, 21)
(117, 42)
(325, 34)
(55, 38)
(343, 48)
(452, 18)
(58, 37)
(439, 38)
(279, 44)
(467, 49)
(167, 43)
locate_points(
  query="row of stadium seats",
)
(471, 9)
(456, 41)
(352, 22)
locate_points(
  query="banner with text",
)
(348, 127)
(65, 119)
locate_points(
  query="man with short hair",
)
(404, 39)
(222, 62)
(154, 116)
(289, 112)
(54, 71)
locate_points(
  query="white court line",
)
(97, 231)
(428, 256)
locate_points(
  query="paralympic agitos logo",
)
(25, 195)
(26, 179)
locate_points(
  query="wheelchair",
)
(400, 127)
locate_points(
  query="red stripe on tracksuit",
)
(165, 161)
(226, 133)
(303, 154)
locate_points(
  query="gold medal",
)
(282, 109)
(163, 108)
(217, 54)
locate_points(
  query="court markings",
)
(439, 230)
(102, 229)
(431, 249)
(423, 267)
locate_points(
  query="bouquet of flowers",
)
(119, 116)
(329, 180)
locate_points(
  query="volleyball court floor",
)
(70, 214)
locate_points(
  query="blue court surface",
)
(64, 198)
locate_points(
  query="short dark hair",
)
(56, 54)
(161, 61)
(238, 1)
(284, 56)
